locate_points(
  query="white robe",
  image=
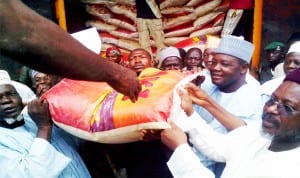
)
(245, 151)
(22, 155)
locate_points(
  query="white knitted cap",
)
(33, 73)
(168, 52)
(236, 46)
(4, 78)
(295, 47)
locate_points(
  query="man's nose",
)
(216, 66)
(5, 99)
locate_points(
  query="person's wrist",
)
(44, 132)
(178, 144)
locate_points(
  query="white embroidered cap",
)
(236, 46)
(168, 52)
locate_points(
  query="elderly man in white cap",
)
(170, 59)
(227, 90)
(290, 63)
(30, 145)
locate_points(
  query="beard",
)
(271, 120)
(289, 136)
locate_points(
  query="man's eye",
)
(288, 108)
(225, 64)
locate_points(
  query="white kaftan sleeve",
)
(185, 164)
(204, 138)
(42, 160)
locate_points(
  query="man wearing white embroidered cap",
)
(227, 89)
(170, 59)
(208, 53)
(290, 63)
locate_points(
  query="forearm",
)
(46, 47)
(206, 139)
(227, 119)
(44, 133)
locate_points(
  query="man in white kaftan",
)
(269, 150)
(229, 86)
(28, 152)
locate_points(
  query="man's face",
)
(43, 82)
(227, 72)
(281, 116)
(116, 58)
(193, 59)
(10, 102)
(139, 60)
(274, 56)
(208, 55)
(291, 62)
(172, 63)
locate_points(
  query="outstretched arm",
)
(39, 43)
(201, 98)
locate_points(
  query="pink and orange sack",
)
(94, 111)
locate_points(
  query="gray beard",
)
(291, 137)
(10, 121)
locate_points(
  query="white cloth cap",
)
(33, 73)
(237, 47)
(23, 90)
(168, 52)
(4, 78)
(295, 47)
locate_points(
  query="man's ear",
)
(244, 68)
(154, 63)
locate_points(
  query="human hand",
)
(38, 110)
(150, 135)
(197, 95)
(173, 137)
(128, 85)
(198, 80)
(186, 102)
(41, 89)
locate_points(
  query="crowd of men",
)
(227, 126)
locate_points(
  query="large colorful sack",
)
(94, 111)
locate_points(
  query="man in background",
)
(274, 63)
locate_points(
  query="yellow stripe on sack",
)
(95, 116)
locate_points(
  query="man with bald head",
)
(139, 59)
